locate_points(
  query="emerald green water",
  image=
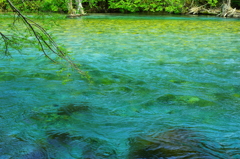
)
(149, 75)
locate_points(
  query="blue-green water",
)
(150, 75)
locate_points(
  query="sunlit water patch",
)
(161, 86)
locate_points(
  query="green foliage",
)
(147, 5)
(36, 5)
(54, 6)
(171, 6)
(212, 3)
(236, 4)
(174, 6)
(96, 5)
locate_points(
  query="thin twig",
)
(6, 42)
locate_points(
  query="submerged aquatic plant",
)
(183, 100)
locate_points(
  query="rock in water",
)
(174, 144)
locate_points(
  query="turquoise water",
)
(151, 76)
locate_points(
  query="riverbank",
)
(231, 12)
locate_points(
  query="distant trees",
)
(36, 5)
(72, 6)
(170, 6)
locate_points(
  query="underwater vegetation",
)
(179, 143)
(71, 108)
(58, 145)
(184, 100)
(89, 148)
(51, 113)
(176, 143)
(57, 141)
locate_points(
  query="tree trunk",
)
(227, 10)
(229, 2)
(79, 7)
(70, 7)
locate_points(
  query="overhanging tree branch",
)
(45, 41)
(6, 41)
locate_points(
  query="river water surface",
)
(172, 81)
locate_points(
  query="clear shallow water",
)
(168, 79)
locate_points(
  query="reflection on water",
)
(162, 87)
